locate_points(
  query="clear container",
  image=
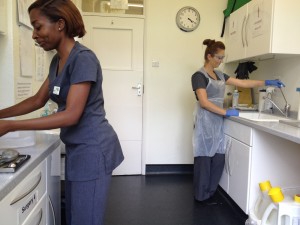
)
(235, 98)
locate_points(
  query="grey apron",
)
(208, 135)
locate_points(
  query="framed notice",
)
(23, 13)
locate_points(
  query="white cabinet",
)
(263, 29)
(236, 176)
(24, 200)
(36, 199)
(255, 156)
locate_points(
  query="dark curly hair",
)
(212, 47)
(55, 10)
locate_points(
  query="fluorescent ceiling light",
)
(132, 5)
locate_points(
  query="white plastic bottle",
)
(235, 98)
(264, 199)
(250, 221)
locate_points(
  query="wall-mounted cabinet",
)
(3, 17)
(263, 29)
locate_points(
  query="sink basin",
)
(263, 117)
(294, 123)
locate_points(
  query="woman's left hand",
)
(4, 127)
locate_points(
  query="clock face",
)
(187, 19)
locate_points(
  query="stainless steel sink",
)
(294, 123)
(263, 117)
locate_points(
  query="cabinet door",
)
(38, 215)
(239, 177)
(258, 28)
(235, 43)
(53, 187)
(224, 181)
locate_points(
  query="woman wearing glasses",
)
(208, 136)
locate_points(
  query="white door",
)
(118, 43)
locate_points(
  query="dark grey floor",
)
(165, 200)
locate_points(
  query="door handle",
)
(138, 88)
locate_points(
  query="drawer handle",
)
(22, 195)
(38, 219)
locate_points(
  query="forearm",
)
(213, 108)
(252, 83)
(245, 83)
(57, 120)
(24, 107)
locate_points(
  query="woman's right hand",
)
(232, 112)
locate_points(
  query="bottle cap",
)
(297, 198)
(265, 186)
(276, 194)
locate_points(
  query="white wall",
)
(169, 99)
(10, 62)
(7, 95)
(286, 69)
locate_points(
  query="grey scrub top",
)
(92, 138)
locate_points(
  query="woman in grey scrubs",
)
(208, 136)
(75, 84)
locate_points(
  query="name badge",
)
(56, 90)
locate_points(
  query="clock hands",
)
(192, 21)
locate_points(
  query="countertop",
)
(282, 130)
(45, 144)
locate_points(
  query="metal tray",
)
(7, 168)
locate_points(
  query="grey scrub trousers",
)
(207, 175)
(93, 149)
(85, 201)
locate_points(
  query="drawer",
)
(38, 214)
(20, 202)
(238, 131)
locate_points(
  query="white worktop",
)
(45, 144)
(282, 130)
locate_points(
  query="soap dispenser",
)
(235, 98)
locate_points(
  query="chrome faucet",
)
(287, 107)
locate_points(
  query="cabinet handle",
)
(37, 219)
(227, 147)
(52, 210)
(22, 195)
(243, 27)
(229, 154)
(246, 33)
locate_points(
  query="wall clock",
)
(187, 19)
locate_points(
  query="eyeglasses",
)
(219, 57)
